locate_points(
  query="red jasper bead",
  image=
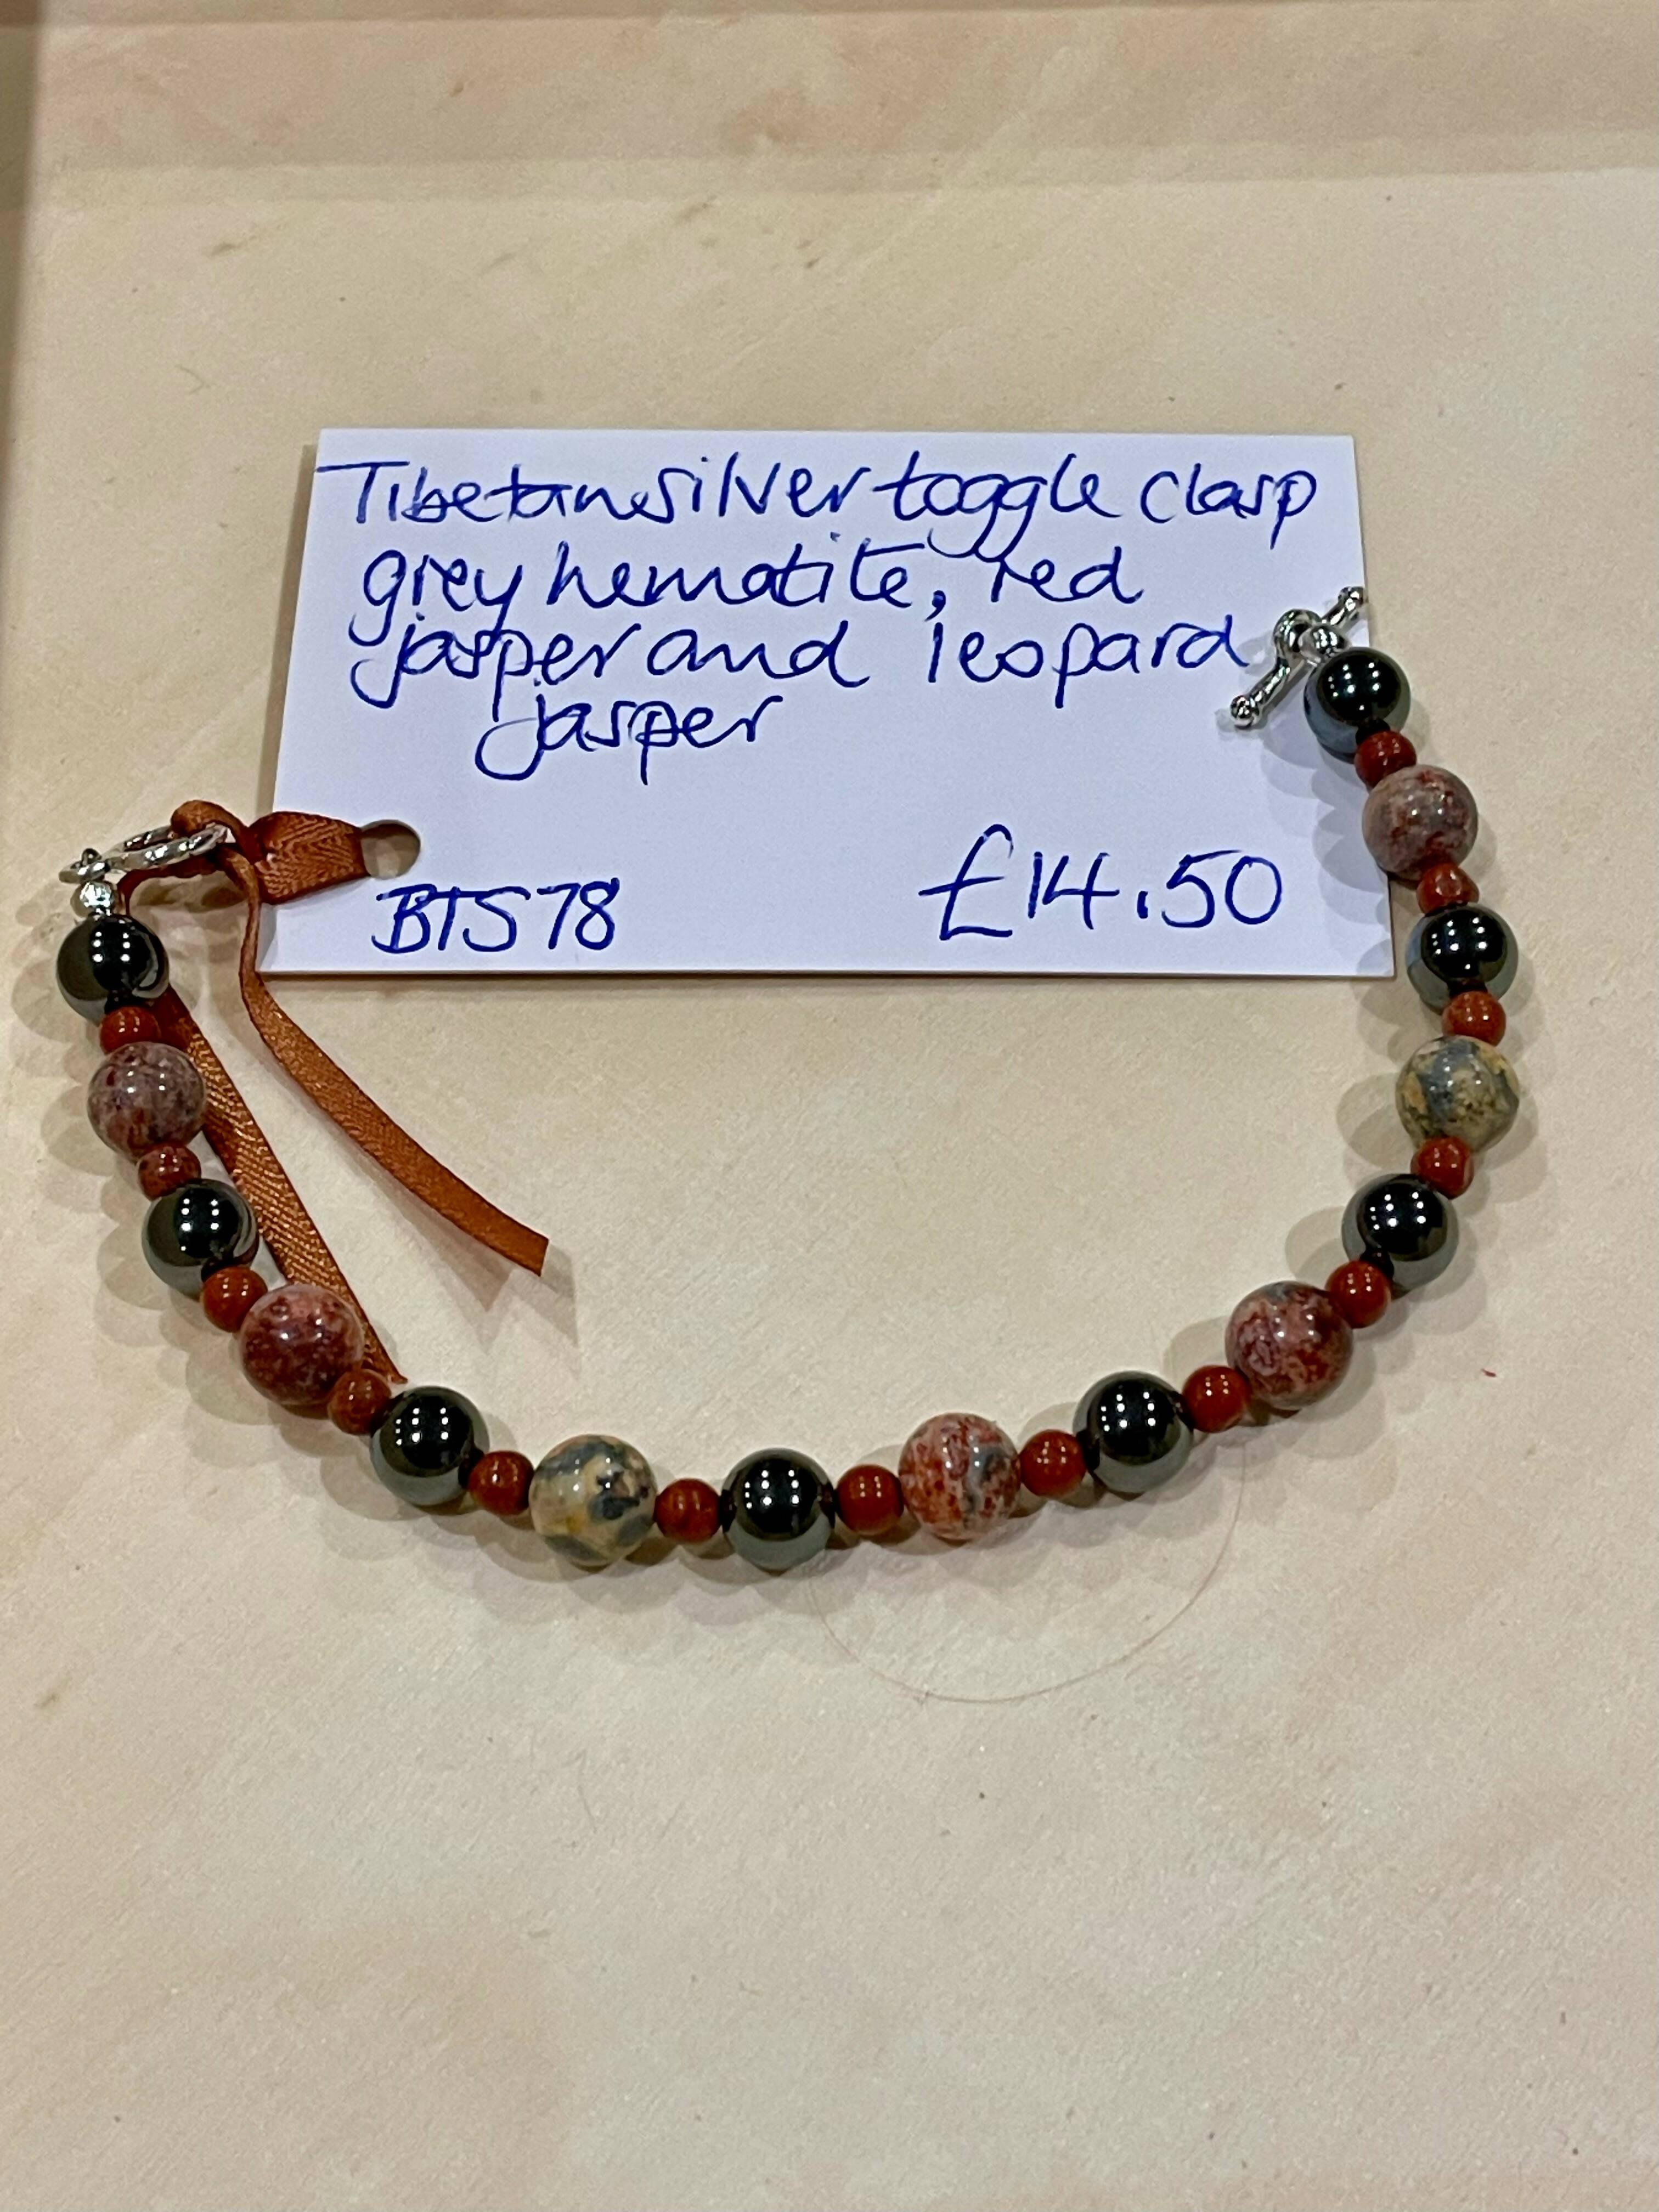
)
(1381, 754)
(688, 1512)
(1446, 885)
(1447, 1162)
(127, 1026)
(501, 1482)
(358, 1399)
(165, 1167)
(1360, 1292)
(1052, 1463)
(1216, 1397)
(229, 1296)
(869, 1500)
(1476, 1014)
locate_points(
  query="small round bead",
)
(191, 1232)
(1360, 1292)
(1051, 1463)
(298, 1342)
(165, 1168)
(1455, 1086)
(1134, 1432)
(128, 1026)
(778, 1509)
(145, 1094)
(108, 959)
(594, 1499)
(500, 1481)
(1447, 1162)
(1290, 1344)
(1446, 885)
(1384, 754)
(1461, 948)
(960, 1475)
(1476, 1014)
(689, 1511)
(868, 1501)
(426, 1443)
(1354, 694)
(1417, 818)
(1404, 1226)
(1215, 1398)
(229, 1296)
(358, 1399)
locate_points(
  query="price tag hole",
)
(390, 848)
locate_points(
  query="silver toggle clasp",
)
(1301, 640)
(97, 876)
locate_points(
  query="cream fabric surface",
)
(1286, 1844)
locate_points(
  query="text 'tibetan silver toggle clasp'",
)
(1301, 640)
(97, 876)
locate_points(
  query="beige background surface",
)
(1288, 1845)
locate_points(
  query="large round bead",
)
(1417, 818)
(297, 1342)
(1290, 1343)
(960, 1475)
(1458, 949)
(1134, 1432)
(777, 1509)
(593, 1498)
(145, 1094)
(1403, 1225)
(110, 959)
(1455, 1086)
(192, 1231)
(425, 1443)
(1355, 693)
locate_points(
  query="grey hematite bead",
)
(1457, 1086)
(593, 1498)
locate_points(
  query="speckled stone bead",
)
(778, 1509)
(109, 960)
(1460, 949)
(191, 1232)
(593, 1498)
(1134, 1432)
(1455, 1086)
(1290, 1343)
(298, 1342)
(145, 1094)
(1402, 1225)
(960, 1475)
(1354, 694)
(1417, 819)
(426, 1443)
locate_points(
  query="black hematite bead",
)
(1352, 696)
(426, 1443)
(111, 960)
(190, 1231)
(777, 1508)
(1133, 1431)
(1459, 948)
(1403, 1225)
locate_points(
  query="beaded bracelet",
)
(306, 1344)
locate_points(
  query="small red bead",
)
(1360, 1292)
(869, 1500)
(229, 1296)
(1216, 1397)
(1476, 1014)
(1447, 1162)
(501, 1482)
(1051, 1463)
(1382, 754)
(688, 1511)
(1446, 885)
(358, 1399)
(165, 1167)
(128, 1026)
